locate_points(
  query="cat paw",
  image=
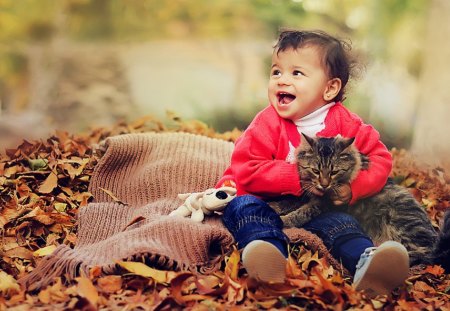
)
(287, 222)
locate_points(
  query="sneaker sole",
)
(264, 262)
(390, 260)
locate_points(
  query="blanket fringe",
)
(61, 261)
(64, 262)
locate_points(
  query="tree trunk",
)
(431, 141)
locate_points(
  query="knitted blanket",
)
(146, 172)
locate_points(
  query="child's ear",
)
(333, 87)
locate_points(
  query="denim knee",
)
(249, 218)
(333, 227)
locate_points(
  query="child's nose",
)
(284, 80)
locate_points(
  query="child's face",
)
(298, 83)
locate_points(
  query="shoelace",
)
(367, 253)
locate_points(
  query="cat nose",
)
(324, 183)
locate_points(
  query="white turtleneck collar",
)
(313, 123)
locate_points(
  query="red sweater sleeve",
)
(256, 165)
(367, 141)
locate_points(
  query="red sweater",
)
(258, 163)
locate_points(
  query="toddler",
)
(310, 70)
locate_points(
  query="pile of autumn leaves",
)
(43, 184)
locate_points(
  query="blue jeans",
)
(249, 218)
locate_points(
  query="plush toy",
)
(199, 204)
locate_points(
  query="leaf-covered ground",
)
(44, 183)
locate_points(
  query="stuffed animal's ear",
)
(217, 199)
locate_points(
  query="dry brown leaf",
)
(50, 183)
(434, 270)
(86, 289)
(110, 283)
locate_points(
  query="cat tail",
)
(442, 250)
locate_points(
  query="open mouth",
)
(285, 98)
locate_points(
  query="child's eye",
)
(297, 73)
(276, 72)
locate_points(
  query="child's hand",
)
(341, 195)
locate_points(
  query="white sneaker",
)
(381, 269)
(264, 262)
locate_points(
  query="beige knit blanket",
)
(146, 172)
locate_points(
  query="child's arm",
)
(256, 164)
(370, 181)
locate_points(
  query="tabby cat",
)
(392, 214)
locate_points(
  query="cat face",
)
(324, 163)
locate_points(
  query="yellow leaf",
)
(409, 182)
(49, 184)
(377, 304)
(8, 284)
(44, 251)
(160, 276)
(45, 295)
(87, 290)
(60, 207)
(232, 266)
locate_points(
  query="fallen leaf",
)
(44, 251)
(177, 289)
(50, 183)
(423, 287)
(8, 285)
(232, 266)
(160, 276)
(435, 270)
(60, 207)
(37, 164)
(86, 289)
(110, 283)
(293, 270)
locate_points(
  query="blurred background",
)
(77, 64)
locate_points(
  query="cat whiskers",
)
(307, 188)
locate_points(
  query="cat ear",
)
(309, 140)
(347, 142)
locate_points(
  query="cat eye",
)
(315, 171)
(334, 173)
